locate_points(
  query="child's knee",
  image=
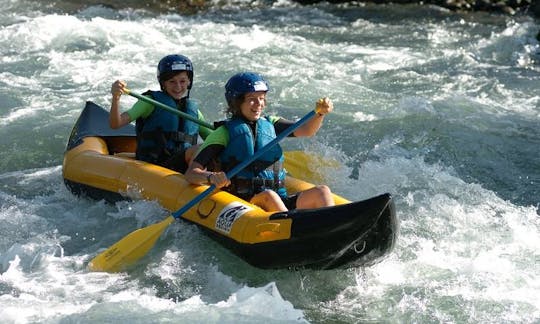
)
(323, 190)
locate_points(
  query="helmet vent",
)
(260, 86)
(176, 66)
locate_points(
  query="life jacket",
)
(163, 134)
(264, 173)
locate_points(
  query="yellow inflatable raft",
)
(99, 163)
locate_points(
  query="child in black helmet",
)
(163, 138)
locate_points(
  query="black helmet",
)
(171, 64)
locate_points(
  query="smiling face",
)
(177, 86)
(253, 105)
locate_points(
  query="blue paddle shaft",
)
(245, 163)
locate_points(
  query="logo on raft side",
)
(229, 215)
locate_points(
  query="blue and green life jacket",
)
(163, 134)
(264, 173)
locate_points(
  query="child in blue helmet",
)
(262, 182)
(163, 138)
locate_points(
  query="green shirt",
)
(143, 109)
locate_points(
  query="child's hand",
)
(324, 106)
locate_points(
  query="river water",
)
(440, 109)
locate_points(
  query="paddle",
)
(137, 244)
(168, 108)
(309, 167)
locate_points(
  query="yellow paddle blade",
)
(129, 249)
(309, 167)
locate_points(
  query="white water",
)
(445, 117)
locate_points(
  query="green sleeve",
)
(140, 109)
(273, 119)
(218, 137)
(203, 131)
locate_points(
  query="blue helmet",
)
(242, 83)
(171, 64)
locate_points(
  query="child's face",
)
(177, 85)
(253, 105)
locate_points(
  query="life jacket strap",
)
(161, 136)
(250, 187)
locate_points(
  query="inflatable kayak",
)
(99, 163)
